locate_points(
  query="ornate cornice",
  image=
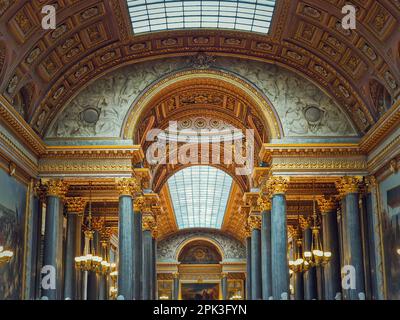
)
(75, 205)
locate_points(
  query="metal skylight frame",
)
(199, 196)
(157, 15)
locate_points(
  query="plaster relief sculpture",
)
(303, 108)
(111, 96)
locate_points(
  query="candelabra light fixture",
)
(298, 264)
(5, 255)
(114, 277)
(89, 261)
(317, 256)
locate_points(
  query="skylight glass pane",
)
(199, 196)
(249, 15)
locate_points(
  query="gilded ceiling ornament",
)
(304, 222)
(278, 184)
(75, 205)
(348, 184)
(201, 61)
(254, 221)
(98, 223)
(105, 234)
(56, 188)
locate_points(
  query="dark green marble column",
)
(148, 223)
(75, 208)
(266, 257)
(352, 235)
(94, 277)
(310, 276)
(224, 285)
(125, 240)
(248, 267)
(256, 282)
(279, 242)
(176, 286)
(103, 277)
(52, 255)
(137, 248)
(330, 240)
(154, 266)
(298, 276)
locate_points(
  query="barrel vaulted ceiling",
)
(40, 71)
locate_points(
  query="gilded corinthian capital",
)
(148, 223)
(127, 186)
(138, 204)
(75, 205)
(277, 185)
(56, 188)
(254, 221)
(348, 184)
(326, 204)
(264, 203)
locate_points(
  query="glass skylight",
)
(154, 15)
(199, 196)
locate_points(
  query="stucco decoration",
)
(303, 108)
(167, 249)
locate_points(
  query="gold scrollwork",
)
(254, 222)
(75, 205)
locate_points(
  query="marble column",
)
(176, 286)
(266, 257)
(148, 224)
(52, 272)
(75, 209)
(375, 246)
(105, 234)
(298, 276)
(126, 233)
(224, 285)
(254, 222)
(93, 278)
(310, 276)
(154, 264)
(348, 187)
(330, 241)
(248, 265)
(279, 242)
(138, 247)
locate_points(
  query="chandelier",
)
(89, 261)
(298, 264)
(317, 256)
(5, 255)
(113, 287)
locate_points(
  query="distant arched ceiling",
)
(95, 36)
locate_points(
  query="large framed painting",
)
(13, 199)
(200, 291)
(390, 205)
